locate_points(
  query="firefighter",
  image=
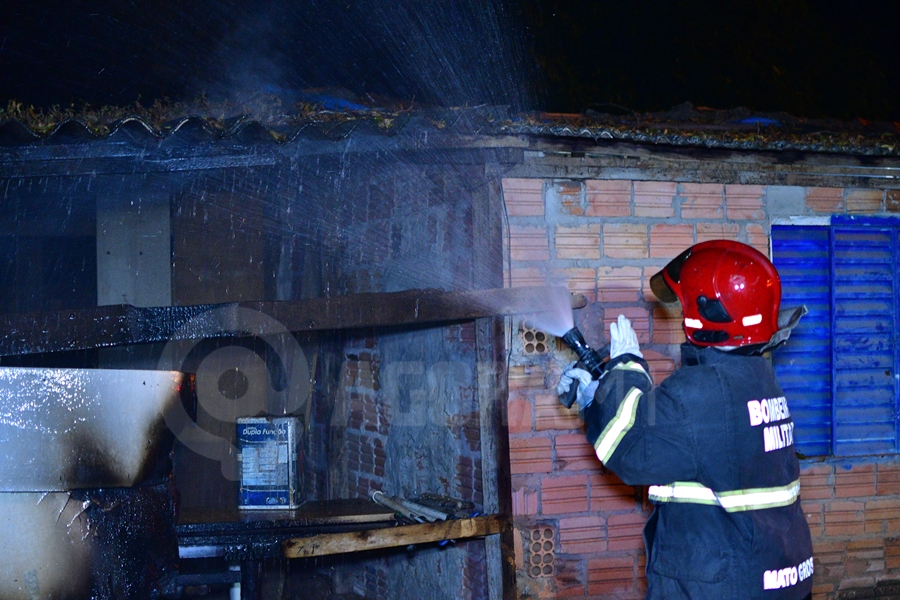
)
(714, 441)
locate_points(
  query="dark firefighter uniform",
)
(714, 443)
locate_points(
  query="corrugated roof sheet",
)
(683, 126)
(737, 129)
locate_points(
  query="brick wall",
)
(407, 422)
(578, 526)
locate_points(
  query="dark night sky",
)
(811, 58)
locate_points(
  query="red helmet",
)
(729, 292)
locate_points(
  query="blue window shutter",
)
(803, 365)
(864, 330)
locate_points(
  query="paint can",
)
(270, 462)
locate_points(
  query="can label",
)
(270, 469)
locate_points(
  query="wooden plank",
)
(373, 539)
(56, 331)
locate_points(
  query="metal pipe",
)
(425, 511)
(383, 500)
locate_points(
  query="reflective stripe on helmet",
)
(732, 501)
(616, 429)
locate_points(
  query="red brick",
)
(867, 547)
(639, 317)
(567, 196)
(618, 284)
(523, 197)
(582, 535)
(831, 572)
(668, 241)
(518, 546)
(525, 502)
(568, 578)
(887, 479)
(611, 575)
(825, 200)
(654, 199)
(702, 200)
(745, 202)
(574, 453)
(667, 327)
(564, 495)
(816, 483)
(856, 482)
(608, 493)
(758, 237)
(883, 516)
(815, 517)
(625, 531)
(527, 277)
(892, 201)
(625, 240)
(892, 553)
(608, 198)
(522, 377)
(582, 241)
(642, 576)
(828, 554)
(864, 201)
(580, 280)
(528, 243)
(530, 455)
(519, 411)
(550, 414)
(823, 591)
(717, 231)
(844, 518)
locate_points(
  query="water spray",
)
(588, 359)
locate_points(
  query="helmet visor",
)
(659, 283)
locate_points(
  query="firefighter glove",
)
(622, 339)
(585, 382)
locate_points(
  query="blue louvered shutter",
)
(864, 332)
(840, 368)
(802, 256)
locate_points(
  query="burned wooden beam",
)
(373, 539)
(119, 325)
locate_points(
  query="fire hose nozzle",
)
(589, 359)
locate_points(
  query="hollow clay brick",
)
(625, 240)
(745, 202)
(580, 242)
(564, 495)
(654, 199)
(608, 198)
(528, 243)
(618, 284)
(524, 197)
(825, 200)
(668, 241)
(530, 455)
(702, 201)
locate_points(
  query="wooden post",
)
(496, 482)
(490, 343)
